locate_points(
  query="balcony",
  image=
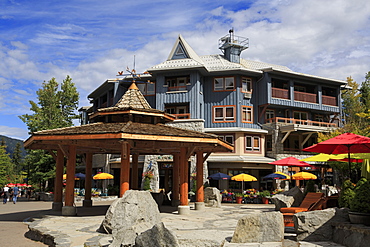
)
(280, 93)
(329, 100)
(290, 121)
(305, 97)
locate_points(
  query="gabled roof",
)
(182, 46)
(217, 63)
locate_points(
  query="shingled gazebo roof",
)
(133, 103)
(150, 136)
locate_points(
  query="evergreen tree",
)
(365, 92)
(6, 167)
(55, 109)
(17, 158)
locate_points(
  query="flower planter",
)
(265, 200)
(359, 218)
(239, 199)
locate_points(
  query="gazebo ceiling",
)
(143, 138)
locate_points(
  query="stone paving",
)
(209, 227)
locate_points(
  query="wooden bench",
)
(312, 201)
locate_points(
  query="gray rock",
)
(297, 195)
(212, 197)
(282, 201)
(259, 227)
(318, 225)
(351, 234)
(158, 235)
(129, 216)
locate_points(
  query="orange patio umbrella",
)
(103, 175)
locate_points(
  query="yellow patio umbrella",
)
(303, 176)
(103, 175)
(325, 157)
(243, 177)
(365, 169)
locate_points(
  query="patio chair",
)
(312, 201)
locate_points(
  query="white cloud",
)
(13, 132)
(92, 42)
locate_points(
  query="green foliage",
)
(54, 109)
(361, 200)
(346, 194)
(113, 189)
(146, 185)
(7, 174)
(239, 194)
(310, 186)
(265, 193)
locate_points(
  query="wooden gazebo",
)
(130, 128)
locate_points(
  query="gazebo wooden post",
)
(69, 209)
(176, 181)
(183, 208)
(199, 204)
(87, 202)
(125, 168)
(58, 186)
(135, 172)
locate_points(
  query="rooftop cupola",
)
(232, 45)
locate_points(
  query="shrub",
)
(346, 194)
(265, 193)
(361, 200)
(310, 186)
(146, 185)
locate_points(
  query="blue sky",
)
(92, 40)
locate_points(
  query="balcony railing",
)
(176, 88)
(305, 97)
(182, 116)
(280, 93)
(329, 100)
(299, 121)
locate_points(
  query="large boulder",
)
(297, 194)
(318, 225)
(212, 197)
(282, 201)
(259, 227)
(158, 235)
(129, 216)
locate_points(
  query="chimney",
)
(232, 45)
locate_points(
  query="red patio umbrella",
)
(290, 161)
(344, 143)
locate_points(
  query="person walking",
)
(5, 194)
(15, 194)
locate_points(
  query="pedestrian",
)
(5, 194)
(29, 193)
(15, 194)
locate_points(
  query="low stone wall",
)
(350, 235)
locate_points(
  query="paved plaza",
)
(211, 225)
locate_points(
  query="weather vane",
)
(135, 76)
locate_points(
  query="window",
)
(180, 111)
(299, 88)
(227, 137)
(223, 83)
(300, 115)
(146, 88)
(177, 83)
(224, 114)
(269, 114)
(252, 143)
(247, 114)
(246, 85)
